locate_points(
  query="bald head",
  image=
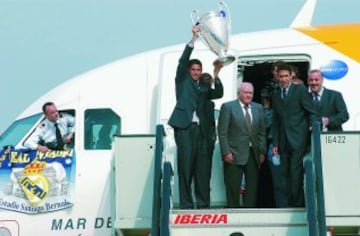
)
(245, 92)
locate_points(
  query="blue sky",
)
(44, 43)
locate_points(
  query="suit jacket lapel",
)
(323, 100)
(254, 114)
(289, 93)
(324, 97)
(238, 109)
(279, 97)
(240, 114)
(196, 86)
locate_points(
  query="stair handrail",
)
(319, 183)
(314, 190)
(310, 195)
(156, 205)
(165, 199)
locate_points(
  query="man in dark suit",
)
(329, 103)
(190, 127)
(242, 140)
(293, 111)
(209, 110)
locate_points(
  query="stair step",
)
(263, 221)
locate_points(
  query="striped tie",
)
(247, 117)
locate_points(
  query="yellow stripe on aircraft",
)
(342, 37)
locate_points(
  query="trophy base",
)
(226, 60)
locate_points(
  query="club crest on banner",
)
(35, 182)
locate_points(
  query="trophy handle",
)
(195, 17)
(225, 12)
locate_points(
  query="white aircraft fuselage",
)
(140, 92)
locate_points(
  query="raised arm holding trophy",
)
(214, 31)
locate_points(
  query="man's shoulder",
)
(235, 104)
(231, 103)
(227, 105)
(332, 92)
(43, 125)
(256, 106)
(299, 87)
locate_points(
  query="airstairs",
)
(220, 221)
(328, 212)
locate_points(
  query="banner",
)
(34, 182)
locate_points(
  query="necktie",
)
(247, 118)
(316, 101)
(316, 98)
(284, 93)
(59, 140)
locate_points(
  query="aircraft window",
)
(17, 130)
(100, 127)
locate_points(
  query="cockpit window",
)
(100, 127)
(17, 130)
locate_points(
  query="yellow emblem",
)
(34, 184)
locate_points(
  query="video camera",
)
(270, 88)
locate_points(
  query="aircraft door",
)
(257, 69)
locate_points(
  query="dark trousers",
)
(292, 175)
(233, 176)
(194, 164)
(265, 198)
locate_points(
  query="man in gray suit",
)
(189, 121)
(292, 112)
(329, 103)
(242, 140)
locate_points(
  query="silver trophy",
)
(214, 31)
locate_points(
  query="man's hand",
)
(275, 150)
(43, 149)
(262, 159)
(325, 121)
(68, 138)
(195, 32)
(228, 158)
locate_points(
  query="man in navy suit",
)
(329, 103)
(242, 138)
(189, 120)
(293, 110)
